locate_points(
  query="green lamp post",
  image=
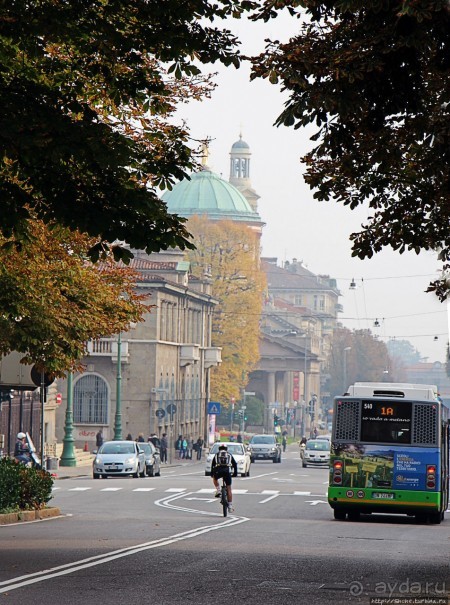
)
(118, 416)
(68, 453)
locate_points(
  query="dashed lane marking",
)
(79, 489)
(111, 489)
(176, 490)
(144, 489)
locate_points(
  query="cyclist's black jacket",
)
(217, 468)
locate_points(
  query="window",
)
(90, 400)
(298, 299)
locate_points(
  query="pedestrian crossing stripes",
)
(181, 490)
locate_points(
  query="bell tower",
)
(240, 172)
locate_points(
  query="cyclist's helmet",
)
(20, 435)
(223, 447)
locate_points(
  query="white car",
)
(317, 452)
(239, 453)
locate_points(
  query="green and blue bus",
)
(389, 452)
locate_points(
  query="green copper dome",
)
(206, 193)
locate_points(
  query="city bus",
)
(389, 452)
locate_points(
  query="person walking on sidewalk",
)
(163, 448)
(199, 445)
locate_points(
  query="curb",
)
(29, 515)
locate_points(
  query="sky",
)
(390, 287)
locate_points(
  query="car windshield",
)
(320, 444)
(235, 449)
(147, 448)
(117, 448)
(268, 439)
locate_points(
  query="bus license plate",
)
(383, 496)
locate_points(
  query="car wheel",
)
(142, 473)
(252, 460)
(248, 472)
(136, 474)
(96, 476)
(304, 465)
(353, 515)
(158, 474)
(279, 460)
(150, 471)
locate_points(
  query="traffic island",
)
(29, 515)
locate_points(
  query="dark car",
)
(264, 447)
(152, 459)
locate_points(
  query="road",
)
(162, 540)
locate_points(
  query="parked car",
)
(317, 452)
(238, 451)
(264, 447)
(119, 458)
(152, 459)
(328, 437)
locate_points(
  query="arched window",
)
(90, 400)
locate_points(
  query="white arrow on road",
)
(315, 502)
(203, 499)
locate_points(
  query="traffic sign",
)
(160, 413)
(171, 409)
(213, 407)
(58, 398)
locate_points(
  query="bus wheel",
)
(435, 518)
(340, 515)
(353, 515)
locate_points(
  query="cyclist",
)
(221, 467)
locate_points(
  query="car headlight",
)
(98, 461)
(274, 449)
(130, 460)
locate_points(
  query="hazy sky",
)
(390, 287)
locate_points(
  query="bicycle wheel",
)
(224, 500)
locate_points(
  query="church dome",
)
(207, 193)
(240, 145)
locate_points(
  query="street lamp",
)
(68, 454)
(345, 367)
(118, 416)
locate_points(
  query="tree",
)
(88, 91)
(229, 253)
(365, 359)
(52, 300)
(374, 77)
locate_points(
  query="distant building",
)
(430, 373)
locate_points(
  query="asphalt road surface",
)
(163, 541)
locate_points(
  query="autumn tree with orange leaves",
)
(229, 253)
(53, 299)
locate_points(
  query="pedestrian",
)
(315, 432)
(99, 438)
(179, 446)
(163, 448)
(129, 437)
(140, 438)
(284, 443)
(155, 440)
(184, 448)
(239, 438)
(199, 445)
(190, 447)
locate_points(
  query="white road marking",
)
(63, 570)
(270, 491)
(315, 502)
(79, 489)
(111, 489)
(176, 490)
(205, 491)
(258, 476)
(240, 491)
(203, 499)
(274, 495)
(302, 493)
(144, 489)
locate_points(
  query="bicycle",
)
(224, 497)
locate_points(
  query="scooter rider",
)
(22, 449)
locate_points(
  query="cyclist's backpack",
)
(223, 458)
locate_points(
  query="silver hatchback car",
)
(119, 458)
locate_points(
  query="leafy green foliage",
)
(88, 91)
(23, 488)
(374, 77)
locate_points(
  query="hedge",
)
(23, 488)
